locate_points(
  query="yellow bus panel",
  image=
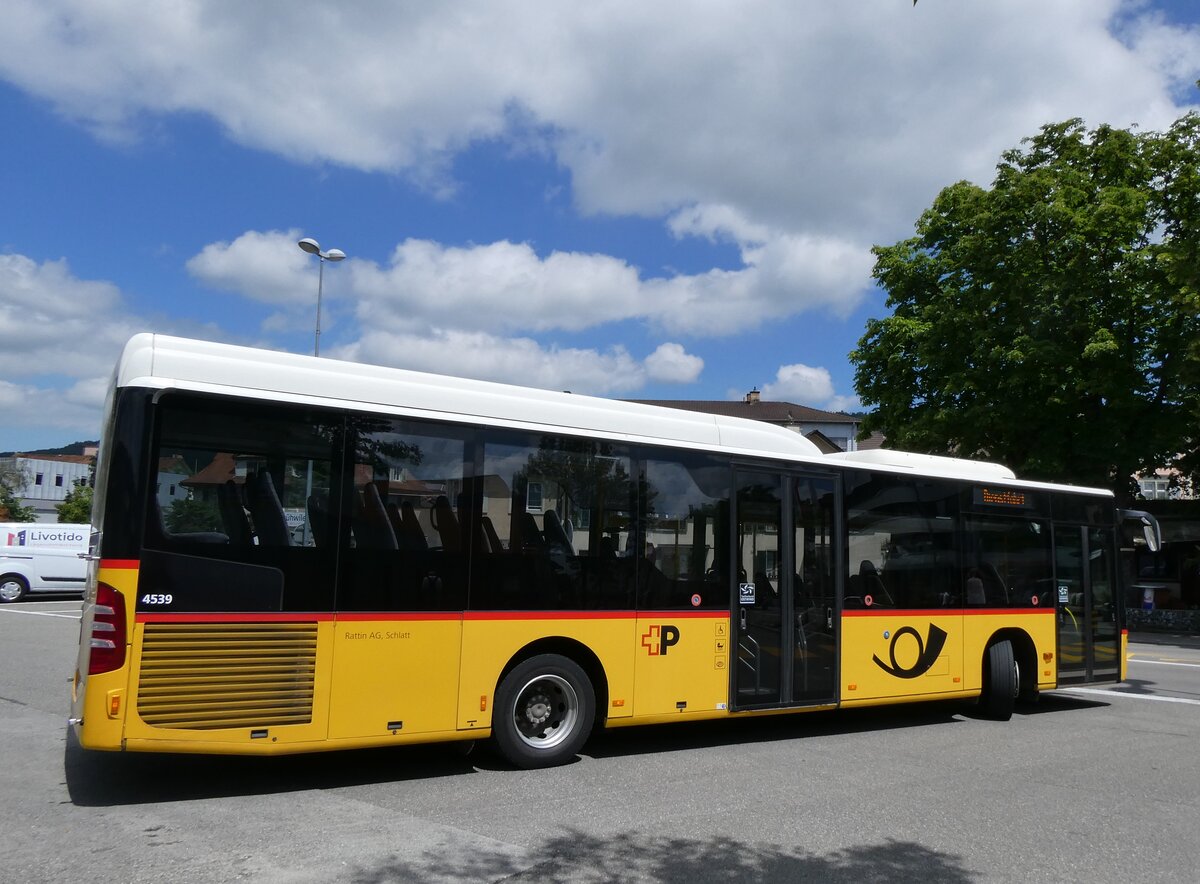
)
(495, 638)
(393, 676)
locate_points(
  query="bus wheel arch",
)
(546, 703)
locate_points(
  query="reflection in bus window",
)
(247, 480)
(901, 543)
(686, 515)
(409, 508)
(554, 525)
(1006, 563)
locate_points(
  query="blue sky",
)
(637, 200)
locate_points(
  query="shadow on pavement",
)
(103, 779)
(576, 856)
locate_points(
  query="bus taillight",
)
(108, 631)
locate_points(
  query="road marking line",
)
(1105, 693)
(1166, 663)
(40, 614)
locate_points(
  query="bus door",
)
(785, 601)
(1089, 641)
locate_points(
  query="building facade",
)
(45, 480)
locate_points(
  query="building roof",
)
(58, 458)
(759, 410)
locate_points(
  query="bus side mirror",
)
(1151, 532)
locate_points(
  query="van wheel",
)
(1001, 682)
(13, 588)
(544, 712)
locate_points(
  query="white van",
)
(42, 558)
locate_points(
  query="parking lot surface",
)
(1094, 785)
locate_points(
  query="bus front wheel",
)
(1001, 683)
(544, 712)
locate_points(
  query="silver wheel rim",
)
(11, 590)
(546, 712)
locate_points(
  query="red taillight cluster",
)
(108, 631)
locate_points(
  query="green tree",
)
(11, 510)
(1051, 323)
(77, 505)
(186, 516)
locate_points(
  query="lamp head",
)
(310, 245)
(334, 255)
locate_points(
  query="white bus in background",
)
(42, 558)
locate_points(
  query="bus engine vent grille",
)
(202, 676)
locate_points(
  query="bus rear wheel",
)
(1001, 682)
(544, 712)
(13, 588)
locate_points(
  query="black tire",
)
(13, 588)
(1000, 682)
(544, 712)
(1027, 686)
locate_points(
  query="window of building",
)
(37, 480)
(1155, 488)
(58, 481)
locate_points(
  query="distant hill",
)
(73, 448)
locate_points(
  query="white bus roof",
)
(161, 361)
(165, 362)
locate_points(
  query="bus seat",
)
(975, 594)
(993, 585)
(493, 539)
(318, 519)
(233, 515)
(446, 524)
(412, 535)
(555, 535)
(873, 585)
(531, 535)
(270, 523)
(378, 526)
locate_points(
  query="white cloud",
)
(807, 385)
(52, 323)
(510, 360)
(506, 287)
(498, 287)
(670, 363)
(800, 383)
(831, 119)
(265, 266)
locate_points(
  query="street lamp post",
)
(314, 248)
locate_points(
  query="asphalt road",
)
(1087, 786)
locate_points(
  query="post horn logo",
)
(927, 651)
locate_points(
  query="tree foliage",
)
(76, 507)
(11, 480)
(1052, 322)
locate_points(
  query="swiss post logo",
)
(928, 650)
(660, 637)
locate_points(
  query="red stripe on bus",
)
(594, 615)
(347, 617)
(232, 618)
(549, 615)
(361, 616)
(942, 612)
(126, 564)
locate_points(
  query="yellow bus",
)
(295, 554)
